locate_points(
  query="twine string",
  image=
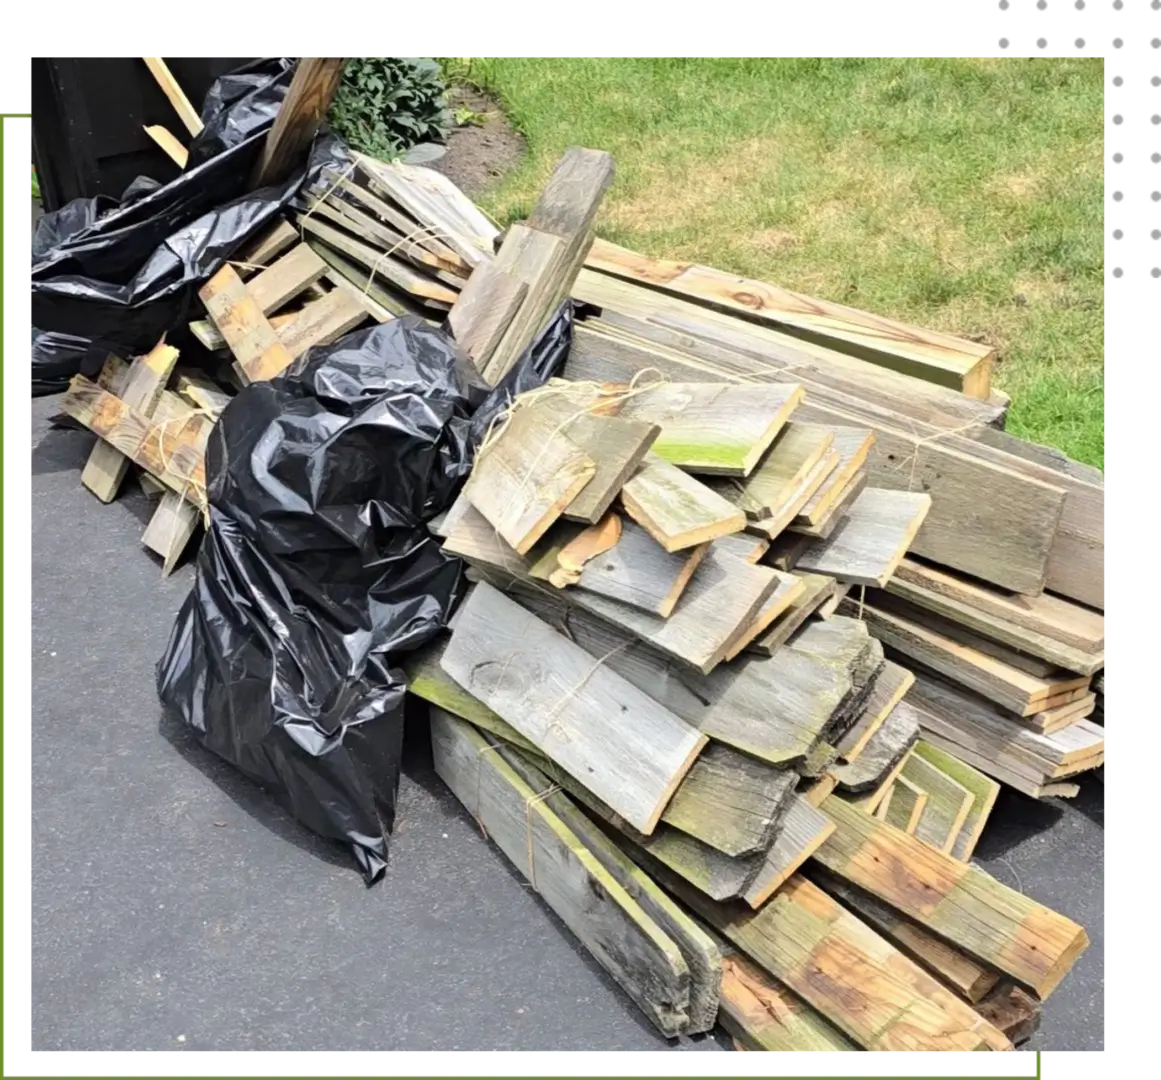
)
(529, 803)
(479, 769)
(912, 459)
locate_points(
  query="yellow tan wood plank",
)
(176, 519)
(173, 91)
(239, 318)
(170, 143)
(676, 509)
(322, 321)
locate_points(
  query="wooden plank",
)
(139, 389)
(803, 830)
(239, 319)
(948, 804)
(1046, 615)
(926, 354)
(872, 539)
(836, 512)
(312, 87)
(639, 572)
(383, 304)
(172, 146)
(891, 684)
(626, 941)
(903, 806)
(170, 87)
(175, 520)
(630, 750)
(677, 510)
(526, 476)
(852, 445)
(1019, 517)
(1012, 1011)
(741, 546)
(878, 997)
(953, 968)
(1018, 637)
(1061, 716)
(484, 310)
(261, 251)
(796, 450)
(958, 902)
(815, 590)
(761, 1014)
(382, 266)
(885, 749)
(1036, 787)
(984, 791)
(1008, 686)
(322, 321)
(789, 589)
(715, 428)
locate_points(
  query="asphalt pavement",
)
(176, 906)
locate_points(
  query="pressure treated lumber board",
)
(891, 684)
(903, 804)
(1008, 686)
(639, 572)
(626, 941)
(322, 321)
(525, 478)
(883, 752)
(676, 509)
(983, 789)
(870, 542)
(630, 750)
(139, 388)
(700, 952)
(874, 994)
(486, 306)
(1018, 637)
(260, 252)
(772, 708)
(714, 428)
(948, 804)
(953, 968)
(312, 87)
(852, 445)
(1019, 517)
(789, 589)
(237, 315)
(179, 466)
(926, 354)
(802, 832)
(958, 902)
(815, 590)
(175, 518)
(761, 1014)
(171, 88)
(797, 449)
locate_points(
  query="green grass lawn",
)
(964, 195)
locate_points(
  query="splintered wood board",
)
(926, 354)
(983, 790)
(891, 684)
(866, 987)
(948, 804)
(581, 714)
(639, 572)
(613, 926)
(714, 427)
(869, 543)
(523, 481)
(781, 472)
(852, 445)
(802, 832)
(885, 749)
(960, 903)
(677, 510)
(1016, 690)
(816, 588)
(239, 318)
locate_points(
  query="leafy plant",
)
(35, 185)
(387, 104)
(466, 116)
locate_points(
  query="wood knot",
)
(748, 299)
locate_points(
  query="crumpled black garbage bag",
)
(121, 275)
(317, 568)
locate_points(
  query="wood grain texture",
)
(852, 445)
(1061, 716)
(1011, 1010)
(677, 510)
(948, 803)
(761, 1014)
(1008, 686)
(170, 87)
(239, 319)
(382, 303)
(815, 590)
(485, 308)
(871, 541)
(925, 354)
(173, 147)
(612, 925)
(984, 791)
(312, 87)
(322, 321)
(959, 903)
(1035, 786)
(836, 512)
(797, 449)
(639, 572)
(875, 995)
(891, 684)
(744, 546)
(953, 968)
(175, 520)
(903, 805)
(885, 749)
(788, 590)
(803, 830)
(714, 428)
(523, 481)
(140, 388)
(580, 713)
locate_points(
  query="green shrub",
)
(388, 104)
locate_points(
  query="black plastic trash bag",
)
(121, 275)
(317, 567)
